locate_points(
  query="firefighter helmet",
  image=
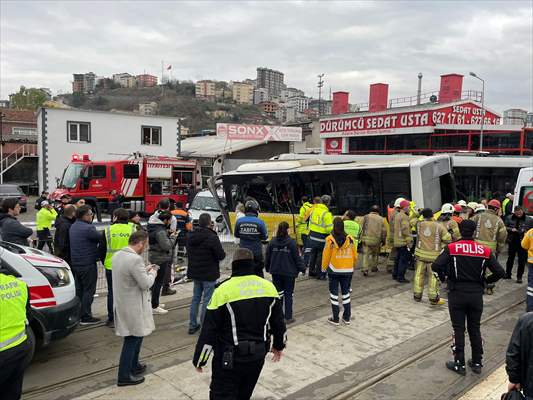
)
(495, 204)
(398, 201)
(472, 205)
(447, 208)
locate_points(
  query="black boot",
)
(132, 380)
(456, 367)
(475, 367)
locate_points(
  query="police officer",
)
(302, 224)
(431, 238)
(243, 314)
(320, 226)
(116, 238)
(402, 242)
(252, 231)
(14, 304)
(391, 260)
(445, 218)
(373, 234)
(464, 263)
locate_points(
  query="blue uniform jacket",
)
(251, 231)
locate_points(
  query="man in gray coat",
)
(132, 307)
(11, 229)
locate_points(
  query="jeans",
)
(158, 283)
(129, 357)
(402, 262)
(200, 287)
(85, 278)
(109, 279)
(285, 286)
(345, 282)
(45, 238)
(514, 249)
(466, 306)
(529, 297)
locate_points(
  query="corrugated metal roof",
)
(214, 146)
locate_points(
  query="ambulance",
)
(523, 193)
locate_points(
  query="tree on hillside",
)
(28, 99)
(78, 100)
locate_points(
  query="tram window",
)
(395, 183)
(272, 192)
(447, 189)
(357, 190)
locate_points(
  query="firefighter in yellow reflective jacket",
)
(373, 234)
(445, 218)
(391, 260)
(116, 238)
(14, 346)
(320, 226)
(302, 225)
(431, 238)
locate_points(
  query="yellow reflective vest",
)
(320, 220)
(13, 300)
(302, 226)
(45, 218)
(116, 237)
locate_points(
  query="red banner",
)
(333, 146)
(464, 114)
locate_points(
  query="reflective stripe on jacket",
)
(339, 259)
(13, 300)
(431, 238)
(320, 220)
(490, 230)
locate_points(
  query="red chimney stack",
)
(451, 86)
(340, 103)
(379, 96)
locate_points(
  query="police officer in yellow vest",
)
(116, 238)
(320, 226)
(373, 234)
(302, 226)
(431, 239)
(13, 339)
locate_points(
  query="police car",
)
(55, 309)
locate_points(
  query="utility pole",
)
(320, 85)
(179, 137)
(2, 148)
(482, 110)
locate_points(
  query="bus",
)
(279, 185)
(523, 193)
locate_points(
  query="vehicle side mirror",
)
(219, 219)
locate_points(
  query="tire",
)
(32, 344)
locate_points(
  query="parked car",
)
(8, 190)
(55, 309)
(204, 202)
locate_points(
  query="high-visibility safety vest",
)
(504, 205)
(430, 239)
(13, 299)
(353, 229)
(116, 237)
(321, 220)
(302, 225)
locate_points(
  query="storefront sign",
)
(334, 146)
(464, 114)
(260, 132)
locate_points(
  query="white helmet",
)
(472, 205)
(398, 201)
(480, 207)
(446, 209)
(462, 203)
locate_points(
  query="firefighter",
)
(252, 231)
(14, 348)
(463, 214)
(243, 314)
(302, 226)
(320, 226)
(463, 264)
(391, 213)
(480, 209)
(373, 234)
(445, 218)
(432, 237)
(470, 210)
(116, 238)
(457, 211)
(402, 242)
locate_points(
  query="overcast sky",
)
(352, 43)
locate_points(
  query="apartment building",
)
(271, 80)
(146, 80)
(243, 93)
(84, 83)
(205, 90)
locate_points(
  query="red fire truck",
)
(142, 180)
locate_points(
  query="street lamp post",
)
(482, 110)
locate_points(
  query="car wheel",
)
(32, 343)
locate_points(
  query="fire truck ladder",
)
(12, 159)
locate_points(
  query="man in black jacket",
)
(463, 264)
(11, 229)
(244, 312)
(519, 357)
(516, 227)
(204, 252)
(61, 236)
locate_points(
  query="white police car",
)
(55, 309)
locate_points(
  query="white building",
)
(287, 93)
(261, 95)
(301, 103)
(101, 135)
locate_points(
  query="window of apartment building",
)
(151, 135)
(24, 131)
(78, 132)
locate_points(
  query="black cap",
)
(467, 228)
(427, 213)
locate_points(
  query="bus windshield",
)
(70, 176)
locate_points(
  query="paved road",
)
(320, 362)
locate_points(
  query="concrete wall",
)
(110, 133)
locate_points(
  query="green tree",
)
(28, 99)
(78, 99)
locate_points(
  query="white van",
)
(204, 202)
(55, 309)
(523, 192)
